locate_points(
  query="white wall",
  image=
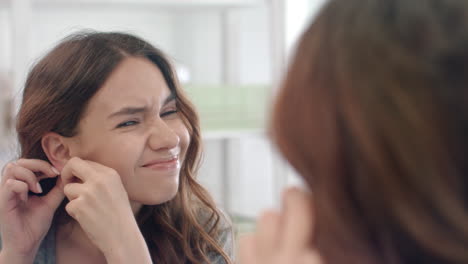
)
(299, 14)
(197, 44)
(56, 23)
(250, 48)
(239, 174)
(244, 183)
(217, 47)
(252, 182)
(5, 36)
(194, 38)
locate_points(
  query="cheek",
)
(117, 153)
(124, 153)
(184, 137)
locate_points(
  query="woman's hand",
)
(24, 219)
(100, 204)
(284, 237)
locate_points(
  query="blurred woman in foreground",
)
(373, 115)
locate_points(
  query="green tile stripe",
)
(227, 107)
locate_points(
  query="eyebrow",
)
(136, 110)
(170, 98)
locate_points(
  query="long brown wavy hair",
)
(373, 113)
(57, 91)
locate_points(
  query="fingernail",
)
(39, 188)
(55, 171)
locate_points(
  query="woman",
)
(103, 113)
(373, 114)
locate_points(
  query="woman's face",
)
(132, 125)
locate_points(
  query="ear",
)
(56, 148)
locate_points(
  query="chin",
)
(157, 197)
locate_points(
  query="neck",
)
(72, 236)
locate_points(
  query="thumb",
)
(55, 196)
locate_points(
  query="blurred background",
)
(230, 57)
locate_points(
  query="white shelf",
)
(232, 134)
(143, 3)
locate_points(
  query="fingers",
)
(283, 237)
(36, 165)
(6, 172)
(247, 249)
(25, 169)
(55, 196)
(86, 170)
(73, 190)
(15, 172)
(76, 168)
(298, 220)
(15, 187)
(267, 238)
(72, 208)
(77, 209)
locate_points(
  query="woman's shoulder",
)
(218, 219)
(224, 231)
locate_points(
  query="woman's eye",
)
(168, 113)
(127, 124)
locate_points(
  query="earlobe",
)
(56, 149)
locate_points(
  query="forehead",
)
(135, 81)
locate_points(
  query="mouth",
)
(163, 164)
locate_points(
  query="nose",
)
(162, 136)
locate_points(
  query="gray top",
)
(46, 252)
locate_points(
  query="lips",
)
(163, 163)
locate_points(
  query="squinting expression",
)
(132, 125)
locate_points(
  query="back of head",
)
(374, 115)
